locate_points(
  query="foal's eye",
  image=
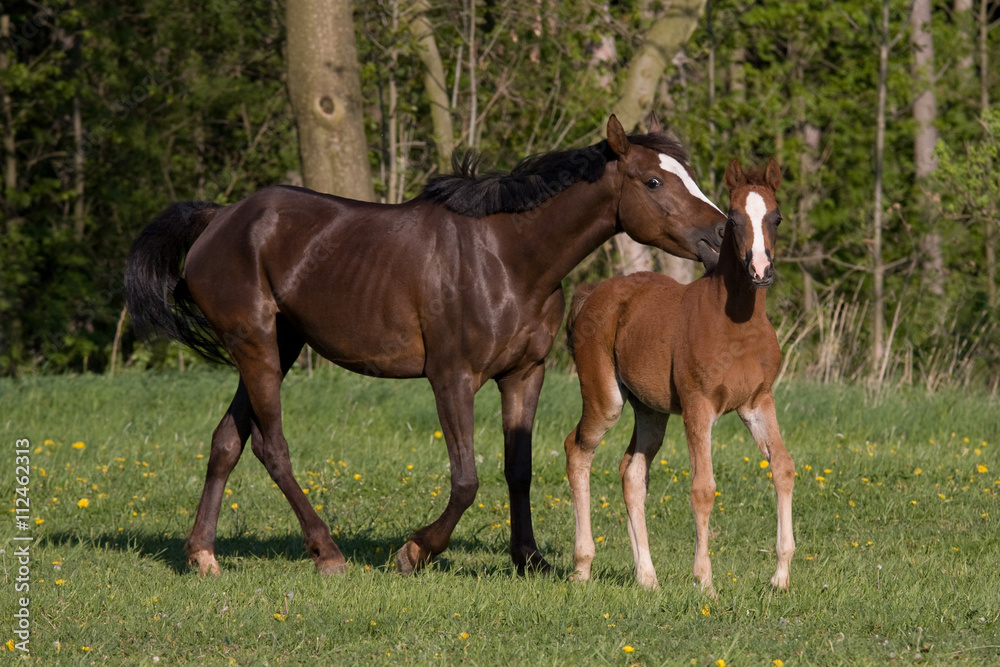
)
(777, 222)
(653, 183)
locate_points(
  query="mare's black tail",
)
(155, 292)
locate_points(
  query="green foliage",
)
(895, 516)
(187, 101)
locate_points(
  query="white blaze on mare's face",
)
(756, 210)
(672, 166)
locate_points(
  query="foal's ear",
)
(654, 123)
(617, 140)
(772, 174)
(734, 175)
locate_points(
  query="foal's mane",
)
(534, 180)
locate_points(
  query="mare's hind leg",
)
(760, 418)
(647, 437)
(228, 440)
(519, 396)
(455, 397)
(602, 406)
(698, 418)
(263, 360)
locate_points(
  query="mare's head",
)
(754, 218)
(661, 205)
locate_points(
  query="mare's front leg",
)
(647, 437)
(455, 397)
(519, 398)
(698, 420)
(760, 418)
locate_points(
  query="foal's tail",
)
(581, 294)
(153, 276)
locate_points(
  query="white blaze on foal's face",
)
(672, 166)
(756, 209)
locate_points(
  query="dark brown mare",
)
(698, 350)
(460, 285)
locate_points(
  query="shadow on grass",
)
(358, 549)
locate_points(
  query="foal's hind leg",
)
(647, 437)
(762, 421)
(698, 418)
(602, 406)
(263, 361)
(227, 445)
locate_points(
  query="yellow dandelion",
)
(83, 502)
(10, 644)
(720, 663)
(234, 506)
(778, 662)
(79, 445)
(357, 477)
(374, 623)
(628, 649)
(600, 539)
(706, 611)
(438, 434)
(280, 617)
(464, 635)
(39, 521)
(60, 582)
(917, 471)
(764, 464)
(982, 468)
(84, 648)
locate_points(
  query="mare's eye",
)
(777, 222)
(731, 222)
(653, 183)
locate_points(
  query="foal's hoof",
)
(331, 566)
(205, 562)
(781, 581)
(411, 558)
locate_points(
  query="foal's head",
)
(754, 218)
(661, 205)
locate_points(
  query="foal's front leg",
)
(760, 418)
(698, 429)
(647, 437)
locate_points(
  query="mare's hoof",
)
(532, 562)
(205, 562)
(411, 558)
(579, 577)
(331, 566)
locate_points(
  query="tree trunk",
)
(984, 91)
(924, 115)
(663, 41)
(79, 208)
(925, 105)
(878, 267)
(434, 83)
(325, 90)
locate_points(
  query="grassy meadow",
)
(896, 514)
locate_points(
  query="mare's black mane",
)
(534, 180)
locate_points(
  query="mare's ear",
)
(617, 140)
(734, 175)
(654, 123)
(772, 174)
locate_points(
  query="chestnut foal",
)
(698, 350)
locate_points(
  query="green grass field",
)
(895, 513)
